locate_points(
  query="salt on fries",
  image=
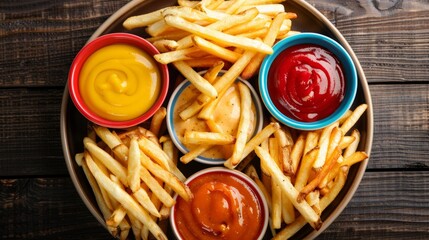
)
(133, 184)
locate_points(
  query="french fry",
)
(126, 200)
(134, 165)
(353, 118)
(216, 50)
(191, 155)
(165, 45)
(276, 210)
(244, 124)
(196, 79)
(297, 151)
(167, 177)
(156, 189)
(288, 188)
(319, 177)
(269, 39)
(305, 169)
(157, 120)
(217, 36)
(117, 216)
(323, 146)
(288, 210)
(176, 55)
(113, 142)
(264, 134)
(143, 20)
(250, 26)
(354, 145)
(207, 138)
(114, 166)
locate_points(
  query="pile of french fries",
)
(133, 175)
(302, 175)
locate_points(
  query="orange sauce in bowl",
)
(223, 207)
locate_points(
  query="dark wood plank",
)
(387, 205)
(45, 208)
(380, 32)
(39, 39)
(401, 126)
(30, 139)
(49, 208)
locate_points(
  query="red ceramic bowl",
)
(85, 53)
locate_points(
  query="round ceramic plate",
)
(73, 124)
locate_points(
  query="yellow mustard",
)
(119, 82)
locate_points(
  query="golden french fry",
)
(297, 151)
(134, 165)
(276, 210)
(353, 118)
(305, 169)
(319, 177)
(354, 145)
(288, 188)
(207, 138)
(126, 200)
(157, 120)
(216, 50)
(250, 26)
(244, 124)
(143, 20)
(188, 13)
(156, 188)
(299, 223)
(176, 55)
(159, 28)
(213, 71)
(154, 152)
(112, 141)
(354, 158)
(117, 216)
(288, 211)
(266, 9)
(217, 36)
(346, 141)
(203, 62)
(235, 5)
(165, 45)
(191, 155)
(261, 136)
(323, 146)
(167, 177)
(143, 198)
(269, 39)
(196, 79)
(107, 160)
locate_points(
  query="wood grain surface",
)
(39, 39)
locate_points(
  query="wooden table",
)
(39, 39)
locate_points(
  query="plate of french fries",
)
(128, 177)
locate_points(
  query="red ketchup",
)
(306, 82)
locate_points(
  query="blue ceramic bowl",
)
(349, 70)
(177, 140)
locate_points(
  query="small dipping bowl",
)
(306, 39)
(216, 190)
(118, 80)
(173, 113)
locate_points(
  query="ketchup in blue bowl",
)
(309, 81)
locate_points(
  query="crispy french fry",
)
(305, 169)
(176, 55)
(143, 20)
(353, 118)
(191, 155)
(276, 210)
(117, 216)
(244, 124)
(288, 188)
(264, 134)
(156, 188)
(165, 45)
(154, 152)
(114, 166)
(319, 177)
(126, 200)
(323, 146)
(167, 177)
(354, 145)
(134, 165)
(196, 79)
(297, 151)
(157, 120)
(207, 138)
(216, 50)
(288, 211)
(217, 36)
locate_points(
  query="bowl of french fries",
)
(128, 177)
(209, 134)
